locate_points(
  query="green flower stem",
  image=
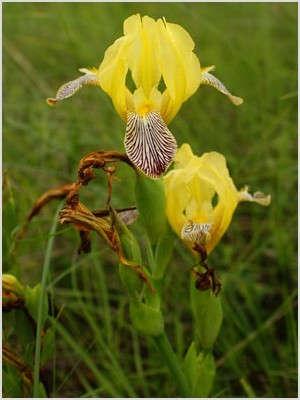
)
(170, 358)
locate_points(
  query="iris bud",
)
(12, 285)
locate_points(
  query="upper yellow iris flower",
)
(190, 191)
(159, 55)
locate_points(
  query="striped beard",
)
(149, 144)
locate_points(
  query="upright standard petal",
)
(112, 74)
(142, 52)
(179, 67)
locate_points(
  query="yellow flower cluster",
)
(157, 54)
(165, 71)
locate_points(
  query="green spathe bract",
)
(151, 204)
(132, 252)
(147, 320)
(200, 371)
(208, 315)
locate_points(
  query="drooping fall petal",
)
(149, 144)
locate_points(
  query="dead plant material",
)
(10, 301)
(59, 192)
(100, 221)
(85, 245)
(97, 159)
(85, 221)
(208, 279)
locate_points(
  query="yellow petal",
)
(171, 63)
(144, 104)
(192, 67)
(179, 66)
(132, 24)
(142, 53)
(112, 74)
(167, 109)
(173, 72)
(191, 64)
(214, 168)
(215, 172)
(176, 199)
(184, 155)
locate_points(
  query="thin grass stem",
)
(43, 298)
(171, 360)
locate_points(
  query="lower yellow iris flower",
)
(165, 72)
(191, 188)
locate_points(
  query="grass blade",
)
(45, 272)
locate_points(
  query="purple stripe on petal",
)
(149, 144)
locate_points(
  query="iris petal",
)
(149, 144)
(211, 80)
(70, 88)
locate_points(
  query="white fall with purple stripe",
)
(149, 144)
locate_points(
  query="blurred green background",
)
(254, 48)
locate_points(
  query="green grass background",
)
(254, 48)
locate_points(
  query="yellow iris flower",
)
(191, 188)
(165, 72)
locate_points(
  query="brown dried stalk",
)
(96, 159)
(99, 159)
(59, 192)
